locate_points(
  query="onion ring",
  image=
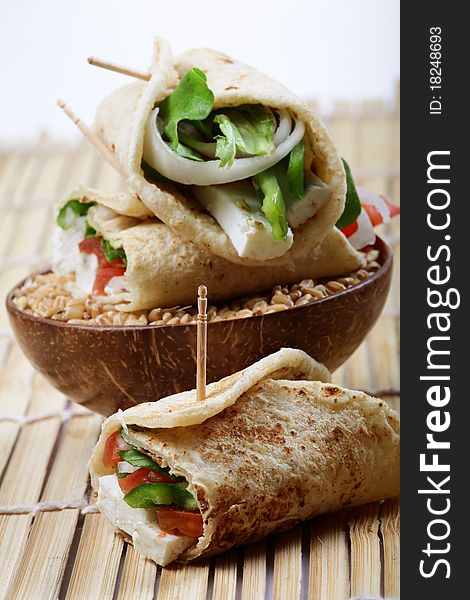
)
(159, 155)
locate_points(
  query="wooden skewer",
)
(93, 138)
(201, 343)
(96, 62)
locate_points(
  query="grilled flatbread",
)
(122, 122)
(270, 446)
(164, 269)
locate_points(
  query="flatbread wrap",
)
(228, 157)
(269, 446)
(121, 254)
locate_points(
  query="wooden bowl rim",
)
(380, 245)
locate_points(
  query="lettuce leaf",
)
(252, 126)
(192, 99)
(295, 171)
(78, 208)
(352, 207)
(227, 143)
(248, 129)
(274, 206)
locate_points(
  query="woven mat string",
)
(64, 415)
(47, 506)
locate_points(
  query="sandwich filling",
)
(100, 268)
(245, 165)
(148, 501)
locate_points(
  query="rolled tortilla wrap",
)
(164, 269)
(269, 446)
(121, 122)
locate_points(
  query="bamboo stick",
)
(15, 392)
(32, 443)
(93, 138)
(201, 358)
(396, 274)
(287, 573)
(9, 179)
(393, 300)
(390, 527)
(97, 563)
(393, 402)
(42, 565)
(383, 355)
(40, 570)
(365, 550)
(329, 564)
(14, 531)
(110, 66)
(340, 376)
(78, 439)
(184, 582)
(358, 369)
(138, 576)
(254, 572)
(225, 576)
(24, 478)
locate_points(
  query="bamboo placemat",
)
(53, 544)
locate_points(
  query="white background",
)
(324, 50)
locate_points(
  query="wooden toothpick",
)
(103, 64)
(93, 138)
(201, 343)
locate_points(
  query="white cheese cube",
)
(301, 209)
(140, 524)
(237, 209)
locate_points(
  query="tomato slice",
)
(106, 270)
(93, 246)
(103, 277)
(350, 229)
(142, 475)
(111, 448)
(373, 214)
(180, 522)
(393, 208)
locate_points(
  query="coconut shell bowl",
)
(107, 368)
